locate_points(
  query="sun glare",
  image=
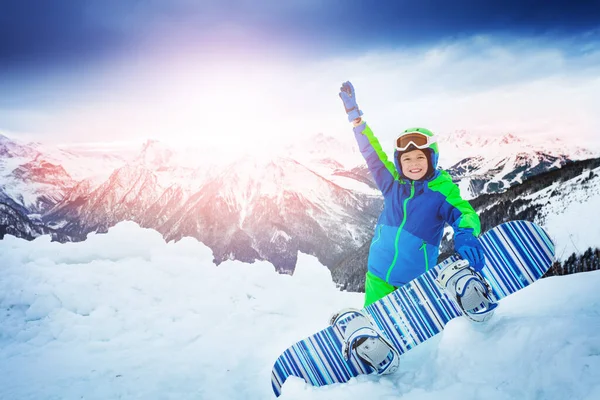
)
(229, 111)
(240, 104)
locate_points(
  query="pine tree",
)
(588, 261)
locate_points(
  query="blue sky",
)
(104, 70)
(62, 32)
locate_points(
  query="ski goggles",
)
(417, 139)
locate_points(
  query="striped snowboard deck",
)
(517, 254)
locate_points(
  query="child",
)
(418, 200)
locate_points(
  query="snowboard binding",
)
(362, 338)
(469, 289)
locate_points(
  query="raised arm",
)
(383, 171)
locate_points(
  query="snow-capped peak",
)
(462, 144)
(12, 148)
(154, 153)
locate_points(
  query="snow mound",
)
(127, 315)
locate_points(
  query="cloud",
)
(486, 84)
(38, 33)
(482, 84)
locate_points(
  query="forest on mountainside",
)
(588, 261)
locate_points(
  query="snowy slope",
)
(28, 178)
(570, 212)
(330, 157)
(245, 208)
(126, 315)
(484, 164)
(37, 176)
(459, 145)
(94, 162)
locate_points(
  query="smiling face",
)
(414, 164)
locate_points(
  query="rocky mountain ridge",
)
(245, 208)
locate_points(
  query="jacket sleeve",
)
(455, 210)
(383, 171)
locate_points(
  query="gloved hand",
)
(469, 248)
(349, 98)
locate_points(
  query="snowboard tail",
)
(517, 254)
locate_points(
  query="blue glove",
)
(469, 248)
(349, 98)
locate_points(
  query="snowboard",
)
(517, 254)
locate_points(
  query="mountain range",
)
(246, 207)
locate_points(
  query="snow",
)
(280, 234)
(464, 185)
(458, 145)
(583, 233)
(353, 185)
(92, 161)
(127, 315)
(570, 213)
(25, 193)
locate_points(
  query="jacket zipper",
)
(378, 235)
(391, 267)
(424, 248)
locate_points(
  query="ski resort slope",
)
(127, 316)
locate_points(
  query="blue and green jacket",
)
(409, 230)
